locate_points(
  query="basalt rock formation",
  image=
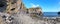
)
(14, 6)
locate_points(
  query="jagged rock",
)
(16, 14)
(37, 11)
(6, 18)
(14, 8)
(11, 6)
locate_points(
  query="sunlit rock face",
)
(36, 10)
(13, 6)
(15, 14)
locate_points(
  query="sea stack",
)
(36, 10)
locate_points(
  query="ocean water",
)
(50, 14)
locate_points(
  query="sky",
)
(46, 5)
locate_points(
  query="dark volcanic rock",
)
(58, 13)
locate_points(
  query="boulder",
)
(58, 12)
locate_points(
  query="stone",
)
(37, 11)
(1, 20)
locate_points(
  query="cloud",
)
(33, 5)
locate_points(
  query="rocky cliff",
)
(16, 13)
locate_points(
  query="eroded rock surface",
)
(21, 18)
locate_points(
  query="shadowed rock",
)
(3, 5)
(58, 13)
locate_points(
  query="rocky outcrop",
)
(37, 11)
(16, 13)
(11, 6)
(58, 13)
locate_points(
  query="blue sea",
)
(50, 14)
